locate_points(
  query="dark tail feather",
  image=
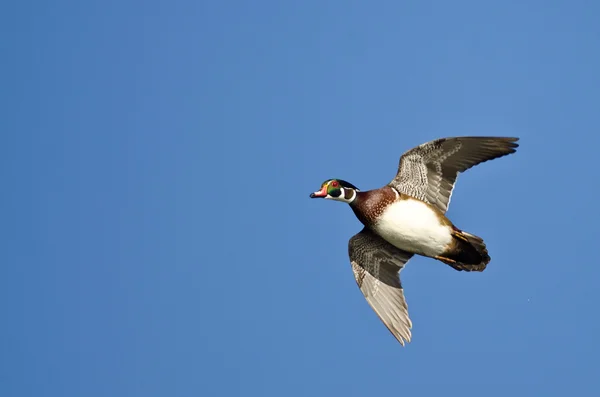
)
(470, 253)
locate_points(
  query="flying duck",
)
(407, 217)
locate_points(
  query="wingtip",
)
(507, 142)
(403, 340)
(513, 143)
(402, 337)
(513, 140)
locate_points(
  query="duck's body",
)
(407, 217)
(418, 227)
(407, 223)
(413, 226)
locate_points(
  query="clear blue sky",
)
(158, 238)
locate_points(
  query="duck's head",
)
(336, 189)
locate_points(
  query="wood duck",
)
(407, 217)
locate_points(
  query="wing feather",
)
(376, 265)
(429, 171)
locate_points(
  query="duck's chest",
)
(413, 226)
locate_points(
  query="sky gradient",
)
(157, 159)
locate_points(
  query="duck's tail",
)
(467, 252)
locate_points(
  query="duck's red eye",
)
(335, 184)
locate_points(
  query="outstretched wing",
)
(376, 265)
(429, 171)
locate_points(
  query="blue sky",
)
(158, 236)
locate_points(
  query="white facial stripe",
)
(342, 196)
(353, 196)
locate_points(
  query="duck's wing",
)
(376, 265)
(428, 172)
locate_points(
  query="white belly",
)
(413, 226)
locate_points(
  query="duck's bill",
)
(320, 194)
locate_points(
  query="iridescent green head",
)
(336, 189)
